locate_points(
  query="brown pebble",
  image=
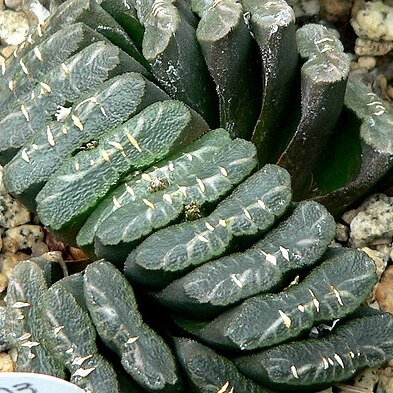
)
(6, 363)
(367, 47)
(8, 261)
(342, 233)
(3, 282)
(39, 248)
(386, 379)
(384, 291)
(368, 62)
(22, 237)
(77, 254)
(357, 4)
(335, 10)
(8, 51)
(10, 245)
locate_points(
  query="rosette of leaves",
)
(146, 132)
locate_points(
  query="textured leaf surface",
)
(210, 372)
(74, 11)
(248, 211)
(206, 182)
(63, 85)
(136, 187)
(376, 117)
(70, 337)
(317, 363)
(25, 332)
(100, 375)
(124, 12)
(3, 332)
(332, 290)
(296, 243)
(170, 46)
(81, 182)
(91, 116)
(35, 64)
(52, 264)
(229, 51)
(323, 81)
(111, 303)
(90, 13)
(273, 25)
(73, 284)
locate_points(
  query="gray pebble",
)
(14, 27)
(342, 233)
(374, 221)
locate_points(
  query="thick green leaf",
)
(25, 332)
(70, 337)
(62, 86)
(52, 265)
(376, 135)
(101, 375)
(340, 161)
(124, 12)
(167, 172)
(91, 116)
(323, 81)
(171, 48)
(332, 290)
(35, 64)
(94, 16)
(81, 182)
(318, 363)
(205, 183)
(295, 244)
(74, 285)
(272, 23)
(229, 51)
(73, 11)
(113, 309)
(210, 372)
(251, 209)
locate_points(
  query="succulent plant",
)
(147, 132)
(59, 328)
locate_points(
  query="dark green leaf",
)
(315, 364)
(323, 82)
